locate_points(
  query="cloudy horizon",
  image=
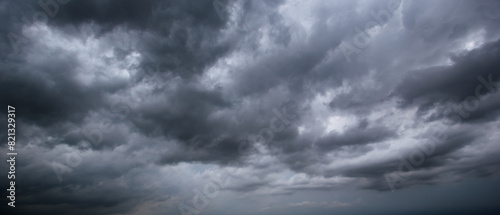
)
(252, 107)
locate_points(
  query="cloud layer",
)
(267, 107)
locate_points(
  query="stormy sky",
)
(258, 107)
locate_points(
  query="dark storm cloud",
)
(44, 79)
(46, 89)
(435, 155)
(126, 106)
(358, 135)
(453, 82)
(173, 34)
(43, 84)
(442, 155)
(90, 188)
(303, 153)
(474, 74)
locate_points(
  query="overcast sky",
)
(258, 107)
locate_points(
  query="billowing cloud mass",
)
(252, 107)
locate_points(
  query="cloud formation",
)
(132, 107)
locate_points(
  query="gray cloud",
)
(129, 107)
